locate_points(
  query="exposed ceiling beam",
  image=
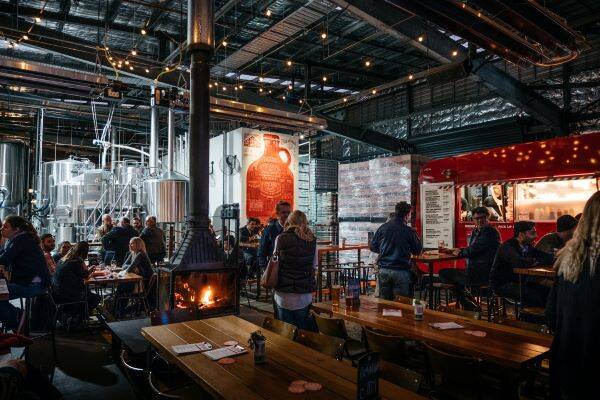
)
(112, 11)
(440, 47)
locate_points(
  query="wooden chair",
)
(404, 300)
(337, 328)
(405, 378)
(329, 345)
(280, 327)
(459, 375)
(390, 347)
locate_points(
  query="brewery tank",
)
(13, 160)
(56, 173)
(166, 197)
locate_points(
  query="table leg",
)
(430, 265)
(520, 295)
(319, 278)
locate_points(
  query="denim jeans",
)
(8, 312)
(300, 318)
(394, 282)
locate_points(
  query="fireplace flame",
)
(207, 297)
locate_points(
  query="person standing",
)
(573, 312)
(117, 240)
(267, 241)
(296, 247)
(48, 244)
(154, 239)
(24, 258)
(248, 234)
(137, 225)
(518, 252)
(553, 241)
(480, 254)
(106, 227)
(396, 242)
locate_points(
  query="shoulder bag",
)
(270, 276)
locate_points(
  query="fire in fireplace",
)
(202, 290)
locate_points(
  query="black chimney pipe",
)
(200, 39)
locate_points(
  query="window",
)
(497, 198)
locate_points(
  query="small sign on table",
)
(368, 377)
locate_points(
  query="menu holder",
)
(227, 351)
(367, 383)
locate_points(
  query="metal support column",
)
(153, 161)
(171, 141)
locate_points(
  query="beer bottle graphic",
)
(269, 180)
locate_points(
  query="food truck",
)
(537, 181)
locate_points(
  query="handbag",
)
(270, 276)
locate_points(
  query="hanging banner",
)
(270, 164)
(437, 214)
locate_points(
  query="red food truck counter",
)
(537, 181)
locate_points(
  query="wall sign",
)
(437, 213)
(367, 384)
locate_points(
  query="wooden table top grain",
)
(286, 361)
(541, 272)
(505, 345)
(127, 277)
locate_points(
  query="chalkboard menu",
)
(437, 214)
(368, 377)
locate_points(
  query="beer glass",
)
(335, 295)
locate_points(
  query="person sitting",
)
(137, 263)
(117, 240)
(395, 242)
(48, 243)
(137, 225)
(63, 249)
(518, 252)
(553, 241)
(249, 233)
(480, 253)
(154, 239)
(22, 255)
(68, 284)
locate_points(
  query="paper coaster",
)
(313, 386)
(296, 389)
(230, 343)
(226, 361)
(298, 383)
(476, 333)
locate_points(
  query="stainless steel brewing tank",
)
(133, 173)
(56, 172)
(13, 177)
(166, 197)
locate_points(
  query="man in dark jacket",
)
(267, 241)
(565, 227)
(480, 253)
(154, 239)
(117, 240)
(248, 234)
(395, 242)
(518, 252)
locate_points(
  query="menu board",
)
(437, 214)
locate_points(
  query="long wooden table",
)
(286, 361)
(429, 258)
(509, 346)
(544, 272)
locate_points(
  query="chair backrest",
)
(390, 347)
(151, 284)
(332, 346)
(459, 370)
(280, 327)
(331, 326)
(400, 376)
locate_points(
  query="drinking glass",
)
(335, 295)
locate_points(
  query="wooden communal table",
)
(114, 281)
(286, 361)
(431, 257)
(325, 251)
(546, 272)
(506, 345)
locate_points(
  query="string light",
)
(15, 45)
(131, 67)
(38, 19)
(373, 91)
(323, 36)
(241, 87)
(167, 68)
(410, 77)
(133, 53)
(345, 99)
(25, 37)
(420, 38)
(300, 101)
(126, 62)
(210, 85)
(260, 78)
(235, 88)
(224, 43)
(290, 87)
(367, 63)
(143, 31)
(224, 88)
(147, 70)
(260, 90)
(270, 91)
(289, 63)
(283, 97)
(110, 58)
(268, 13)
(301, 136)
(324, 79)
(454, 53)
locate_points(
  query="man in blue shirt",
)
(396, 242)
